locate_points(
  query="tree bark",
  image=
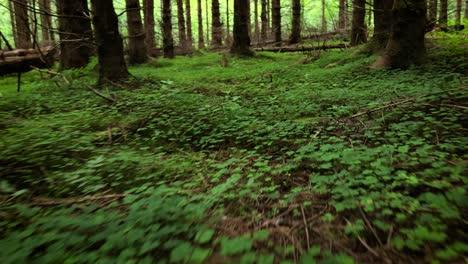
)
(181, 27)
(228, 24)
(257, 26)
(276, 16)
(324, 18)
(249, 19)
(264, 19)
(188, 16)
(168, 40)
(201, 40)
(296, 22)
(12, 21)
(46, 21)
(466, 9)
(458, 12)
(137, 49)
(342, 15)
(406, 43)
(23, 31)
(148, 13)
(112, 66)
(432, 14)
(358, 28)
(216, 28)
(382, 25)
(207, 22)
(443, 13)
(75, 34)
(241, 43)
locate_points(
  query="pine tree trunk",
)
(12, 21)
(324, 18)
(257, 26)
(466, 9)
(432, 14)
(188, 16)
(137, 49)
(249, 19)
(276, 15)
(207, 22)
(181, 27)
(296, 22)
(241, 44)
(443, 13)
(112, 65)
(264, 19)
(23, 31)
(216, 28)
(168, 40)
(382, 25)
(406, 44)
(148, 13)
(75, 34)
(46, 21)
(228, 24)
(201, 40)
(342, 15)
(358, 28)
(458, 12)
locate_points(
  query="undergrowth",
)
(275, 159)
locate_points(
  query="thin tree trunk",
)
(296, 22)
(249, 19)
(342, 15)
(382, 25)
(168, 40)
(228, 24)
(23, 31)
(148, 13)
(216, 28)
(443, 13)
(268, 13)
(136, 43)
(181, 27)
(358, 28)
(188, 15)
(466, 9)
(241, 44)
(13, 24)
(458, 12)
(264, 19)
(75, 34)
(112, 65)
(324, 18)
(276, 15)
(201, 40)
(406, 43)
(257, 26)
(432, 16)
(207, 22)
(46, 21)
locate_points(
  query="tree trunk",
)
(188, 16)
(216, 28)
(466, 9)
(228, 24)
(276, 15)
(46, 21)
(458, 12)
(112, 65)
(382, 25)
(75, 34)
(296, 22)
(137, 49)
(207, 22)
(264, 19)
(249, 19)
(257, 26)
(443, 13)
(201, 40)
(324, 18)
(342, 15)
(358, 28)
(168, 40)
(23, 32)
(406, 43)
(148, 13)
(181, 27)
(12, 21)
(432, 14)
(241, 44)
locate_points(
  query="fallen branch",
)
(110, 99)
(49, 202)
(302, 48)
(407, 100)
(52, 73)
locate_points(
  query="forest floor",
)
(277, 159)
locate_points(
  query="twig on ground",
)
(305, 227)
(52, 73)
(112, 100)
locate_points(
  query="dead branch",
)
(50, 202)
(110, 99)
(302, 48)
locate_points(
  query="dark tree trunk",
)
(168, 40)
(458, 12)
(148, 13)
(46, 21)
(382, 25)
(443, 13)
(342, 15)
(188, 16)
(181, 27)
(12, 21)
(264, 19)
(276, 15)
(432, 13)
(406, 44)
(466, 9)
(358, 28)
(249, 19)
(257, 26)
(324, 18)
(241, 44)
(296, 22)
(75, 34)
(216, 27)
(137, 49)
(207, 22)
(201, 40)
(23, 32)
(228, 24)
(112, 65)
